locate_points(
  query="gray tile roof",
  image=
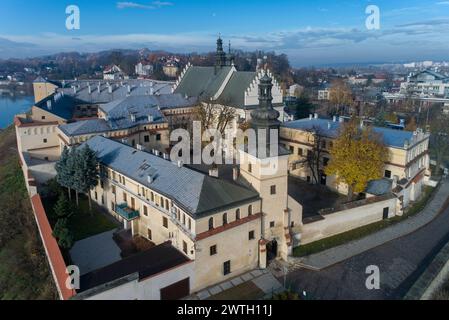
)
(391, 137)
(379, 187)
(85, 127)
(119, 89)
(196, 193)
(60, 105)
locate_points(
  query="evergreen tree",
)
(64, 176)
(86, 172)
(63, 208)
(63, 234)
(72, 166)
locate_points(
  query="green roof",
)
(202, 82)
(234, 93)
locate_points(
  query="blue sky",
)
(310, 32)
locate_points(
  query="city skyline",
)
(315, 33)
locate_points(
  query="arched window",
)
(250, 210)
(225, 219)
(237, 214)
(211, 223)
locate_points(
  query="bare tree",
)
(314, 160)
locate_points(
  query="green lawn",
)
(361, 232)
(85, 224)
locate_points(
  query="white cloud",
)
(153, 5)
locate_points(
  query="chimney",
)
(180, 164)
(110, 89)
(151, 91)
(139, 147)
(213, 172)
(89, 88)
(74, 89)
(49, 104)
(329, 126)
(124, 141)
(150, 178)
(341, 120)
(150, 118)
(361, 124)
(235, 173)
(133, 117)
(166, 156)
(310, 116)
(316, 115)
(99, 88)
(129, 89)
(334, 119)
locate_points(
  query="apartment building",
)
(426, 83)
(404, 173)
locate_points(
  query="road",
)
(400, 262)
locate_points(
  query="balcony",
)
(126, 212)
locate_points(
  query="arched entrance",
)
(272, 250)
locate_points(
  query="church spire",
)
(265, 117)
(220, 55)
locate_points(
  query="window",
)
(251, 235)
(213, 250)
(272, 224)
(387, 174)
(250, 210)
(292, 225)
(112, 206)
(125, 197)
(237, 214)
(150, 235)
(184, 219)
(300, 152)
(152, 197)
(184, 247)
(96, 195)
(227, 268)
(158, 137)
(165, 222)
(250, 167)
(43, 117)
(325, 161)
(167, 204)
(292, 149)
(190, 224)
(45, 140)
(146, 138)
(211, 223)
(273, 190)
(145, 211)
(323, 144)
(225, 219)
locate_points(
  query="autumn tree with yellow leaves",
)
(340, 95)
(358, 156)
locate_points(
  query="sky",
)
(318, 32)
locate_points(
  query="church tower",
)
(268, 174)
(220, 55)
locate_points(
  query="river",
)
(10, 106)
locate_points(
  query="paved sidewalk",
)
(263, 279)
(338, 254)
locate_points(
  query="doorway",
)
(272, 250)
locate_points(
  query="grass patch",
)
(85, 224)
(24, 270)
(245, 291)
(364, 231)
